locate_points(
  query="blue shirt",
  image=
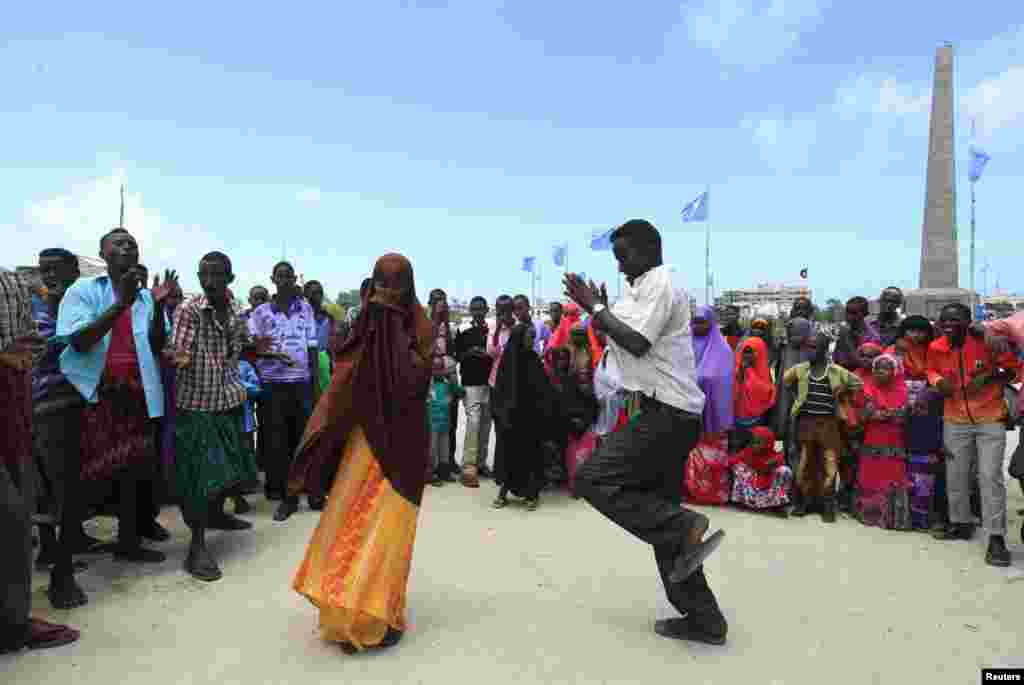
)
(83, 303)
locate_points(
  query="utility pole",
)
(121, 221)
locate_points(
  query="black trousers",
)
(59, 458)
(288, 409)
(452, 433)
(635, 478)
(17, 497)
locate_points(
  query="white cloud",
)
(784, 142)
(997, 102)
(76, 217)
(751, 33)
(309, 196)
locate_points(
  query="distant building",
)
(767, 299)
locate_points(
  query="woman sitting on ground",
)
(761, 479)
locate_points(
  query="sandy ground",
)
(555, 596)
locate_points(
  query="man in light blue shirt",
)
(115, 328)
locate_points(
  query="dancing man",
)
(634, 478)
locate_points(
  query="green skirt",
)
(211, 459)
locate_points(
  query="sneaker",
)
(828, 510)
(955, 531)
(997, 554)
(287, 507)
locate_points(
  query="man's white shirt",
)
(658, 307)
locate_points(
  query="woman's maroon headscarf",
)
(380, 383)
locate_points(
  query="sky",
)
(472, 133)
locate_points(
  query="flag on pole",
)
(559, 253)
(528, 264)
(803, 274)
(979, 158)
(698, 209)
(583, 276)
(601, 238)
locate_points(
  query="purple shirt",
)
(293, 333)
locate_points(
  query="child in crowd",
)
(820, 407)
(443, 391)
(761, 479)
(253, 390)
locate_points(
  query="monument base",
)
(928, 302)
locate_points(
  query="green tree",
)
(348, 298)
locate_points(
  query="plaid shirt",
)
(211, 382)
(15, 309)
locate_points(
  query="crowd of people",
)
(122, 398)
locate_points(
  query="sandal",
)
(46, 635)
(500, 503)
(532, 504)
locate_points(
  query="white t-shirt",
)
(658, 308)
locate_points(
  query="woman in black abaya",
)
(523, 405)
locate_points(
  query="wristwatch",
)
(598, 308)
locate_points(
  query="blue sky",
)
(468, 134)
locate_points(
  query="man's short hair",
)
(66, 256)
(310, 284)
(365, 286)
(279, 265)
(478, 298)
(523, 298)
(641, 233)
(958, 307)
(857, 301)
(224, 260)
(111, 232)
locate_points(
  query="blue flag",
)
(979, 158)
(528, 264)
(559, 253)
(698, 209)
(601, 238)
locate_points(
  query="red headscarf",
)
(756, 394)
(892, 396)
(762, 460)
(596, 348)
(560, 338)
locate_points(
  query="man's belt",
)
(649, 404)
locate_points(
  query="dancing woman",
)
(368, 435)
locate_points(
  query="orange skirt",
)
(358, 561)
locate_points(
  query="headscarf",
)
(596, 348)
(757, 395)
(892, 396)
(761, 458)
(570, 317)
(380, 383)
(715, 371)
(520, 383)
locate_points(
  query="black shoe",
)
(272, 495)
(139, 555)
(997, 554)
(684, 628)
(799, 506)
(242, 505)
(201, 566)
(286, 509)
(152, 530)
(828, 510)
(65, 593)
(695, 549)
(955, 531)
(316, 503)
(225, 521)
